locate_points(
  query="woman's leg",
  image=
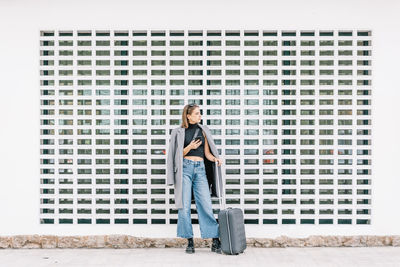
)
(208, 225)
(184, 227)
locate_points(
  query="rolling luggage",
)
(231, 227)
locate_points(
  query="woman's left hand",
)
(219, 161)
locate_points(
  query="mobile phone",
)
(197, 138)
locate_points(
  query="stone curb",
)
(126, 241)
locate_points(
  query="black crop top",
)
(189, 134)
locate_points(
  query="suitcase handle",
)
(222, 192)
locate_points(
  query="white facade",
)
(291, 114)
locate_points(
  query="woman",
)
(186, 169)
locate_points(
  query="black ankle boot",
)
(216, 245)
(190, 246)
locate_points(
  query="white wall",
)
(20, 22)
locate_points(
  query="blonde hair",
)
(188, 109)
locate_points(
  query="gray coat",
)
(175, 164)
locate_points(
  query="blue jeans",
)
(194, 173)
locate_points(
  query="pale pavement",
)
(176, 257)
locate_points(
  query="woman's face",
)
(195, 117)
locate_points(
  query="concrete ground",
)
(176, 257)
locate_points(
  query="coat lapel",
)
(181, 137)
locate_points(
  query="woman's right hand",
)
(195, 144)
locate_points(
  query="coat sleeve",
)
(170, 159)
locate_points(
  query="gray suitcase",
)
(231, 228)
